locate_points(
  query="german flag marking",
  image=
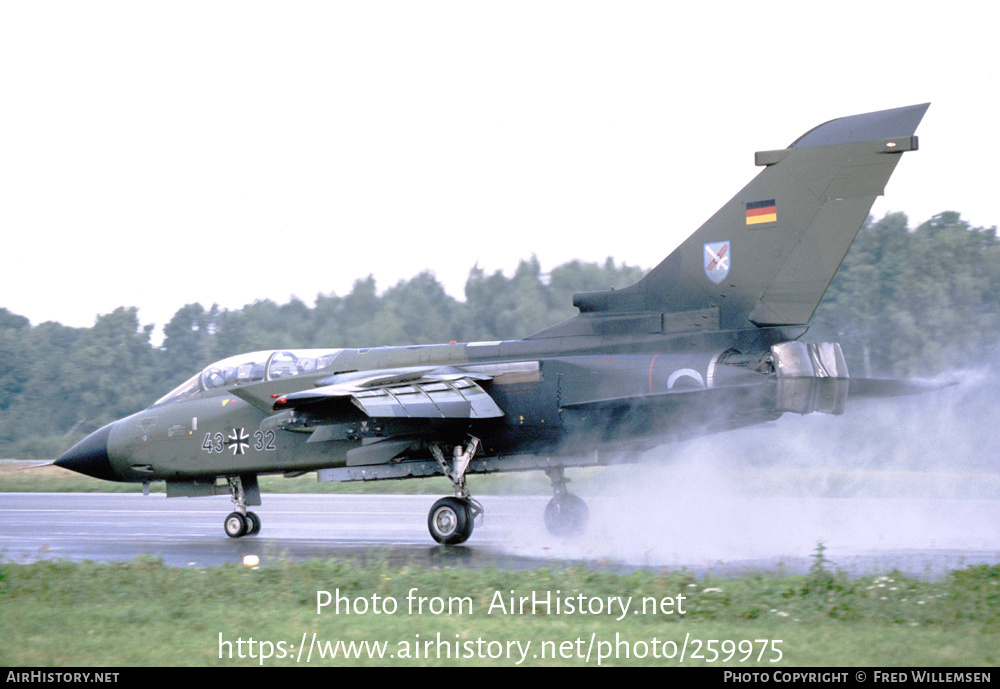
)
(760, 212)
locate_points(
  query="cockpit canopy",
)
(256, 367)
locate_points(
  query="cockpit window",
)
(191, 386)
(285, 364)
(252, 368)
(236, 370)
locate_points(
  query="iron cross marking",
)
(239, 441)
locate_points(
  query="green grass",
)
(143, 612)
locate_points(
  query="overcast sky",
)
(159, 154)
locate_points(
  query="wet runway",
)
(923, 537)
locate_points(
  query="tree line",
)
(905, 302)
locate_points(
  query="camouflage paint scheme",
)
(707, 341)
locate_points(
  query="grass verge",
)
(145, 613)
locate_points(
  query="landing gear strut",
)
(566, 514)
(242, 522)
(451, 519)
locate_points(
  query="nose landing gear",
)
(242, 522)
(237, 525)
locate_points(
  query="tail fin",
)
(767, 257)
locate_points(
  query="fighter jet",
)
(708, 341)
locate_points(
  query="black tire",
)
(253, 524)
(235, 525)
(566, 516)
(450, 521)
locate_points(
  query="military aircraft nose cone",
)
(90, 456)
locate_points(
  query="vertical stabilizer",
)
(767, 257)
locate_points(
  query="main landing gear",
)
(451, 519)
(566, 515)
(242, 522)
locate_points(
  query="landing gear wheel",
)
(243, 490)
(235, 525)
(450, 521)
(253, 524)
(566, 515)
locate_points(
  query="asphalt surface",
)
(923, 537)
